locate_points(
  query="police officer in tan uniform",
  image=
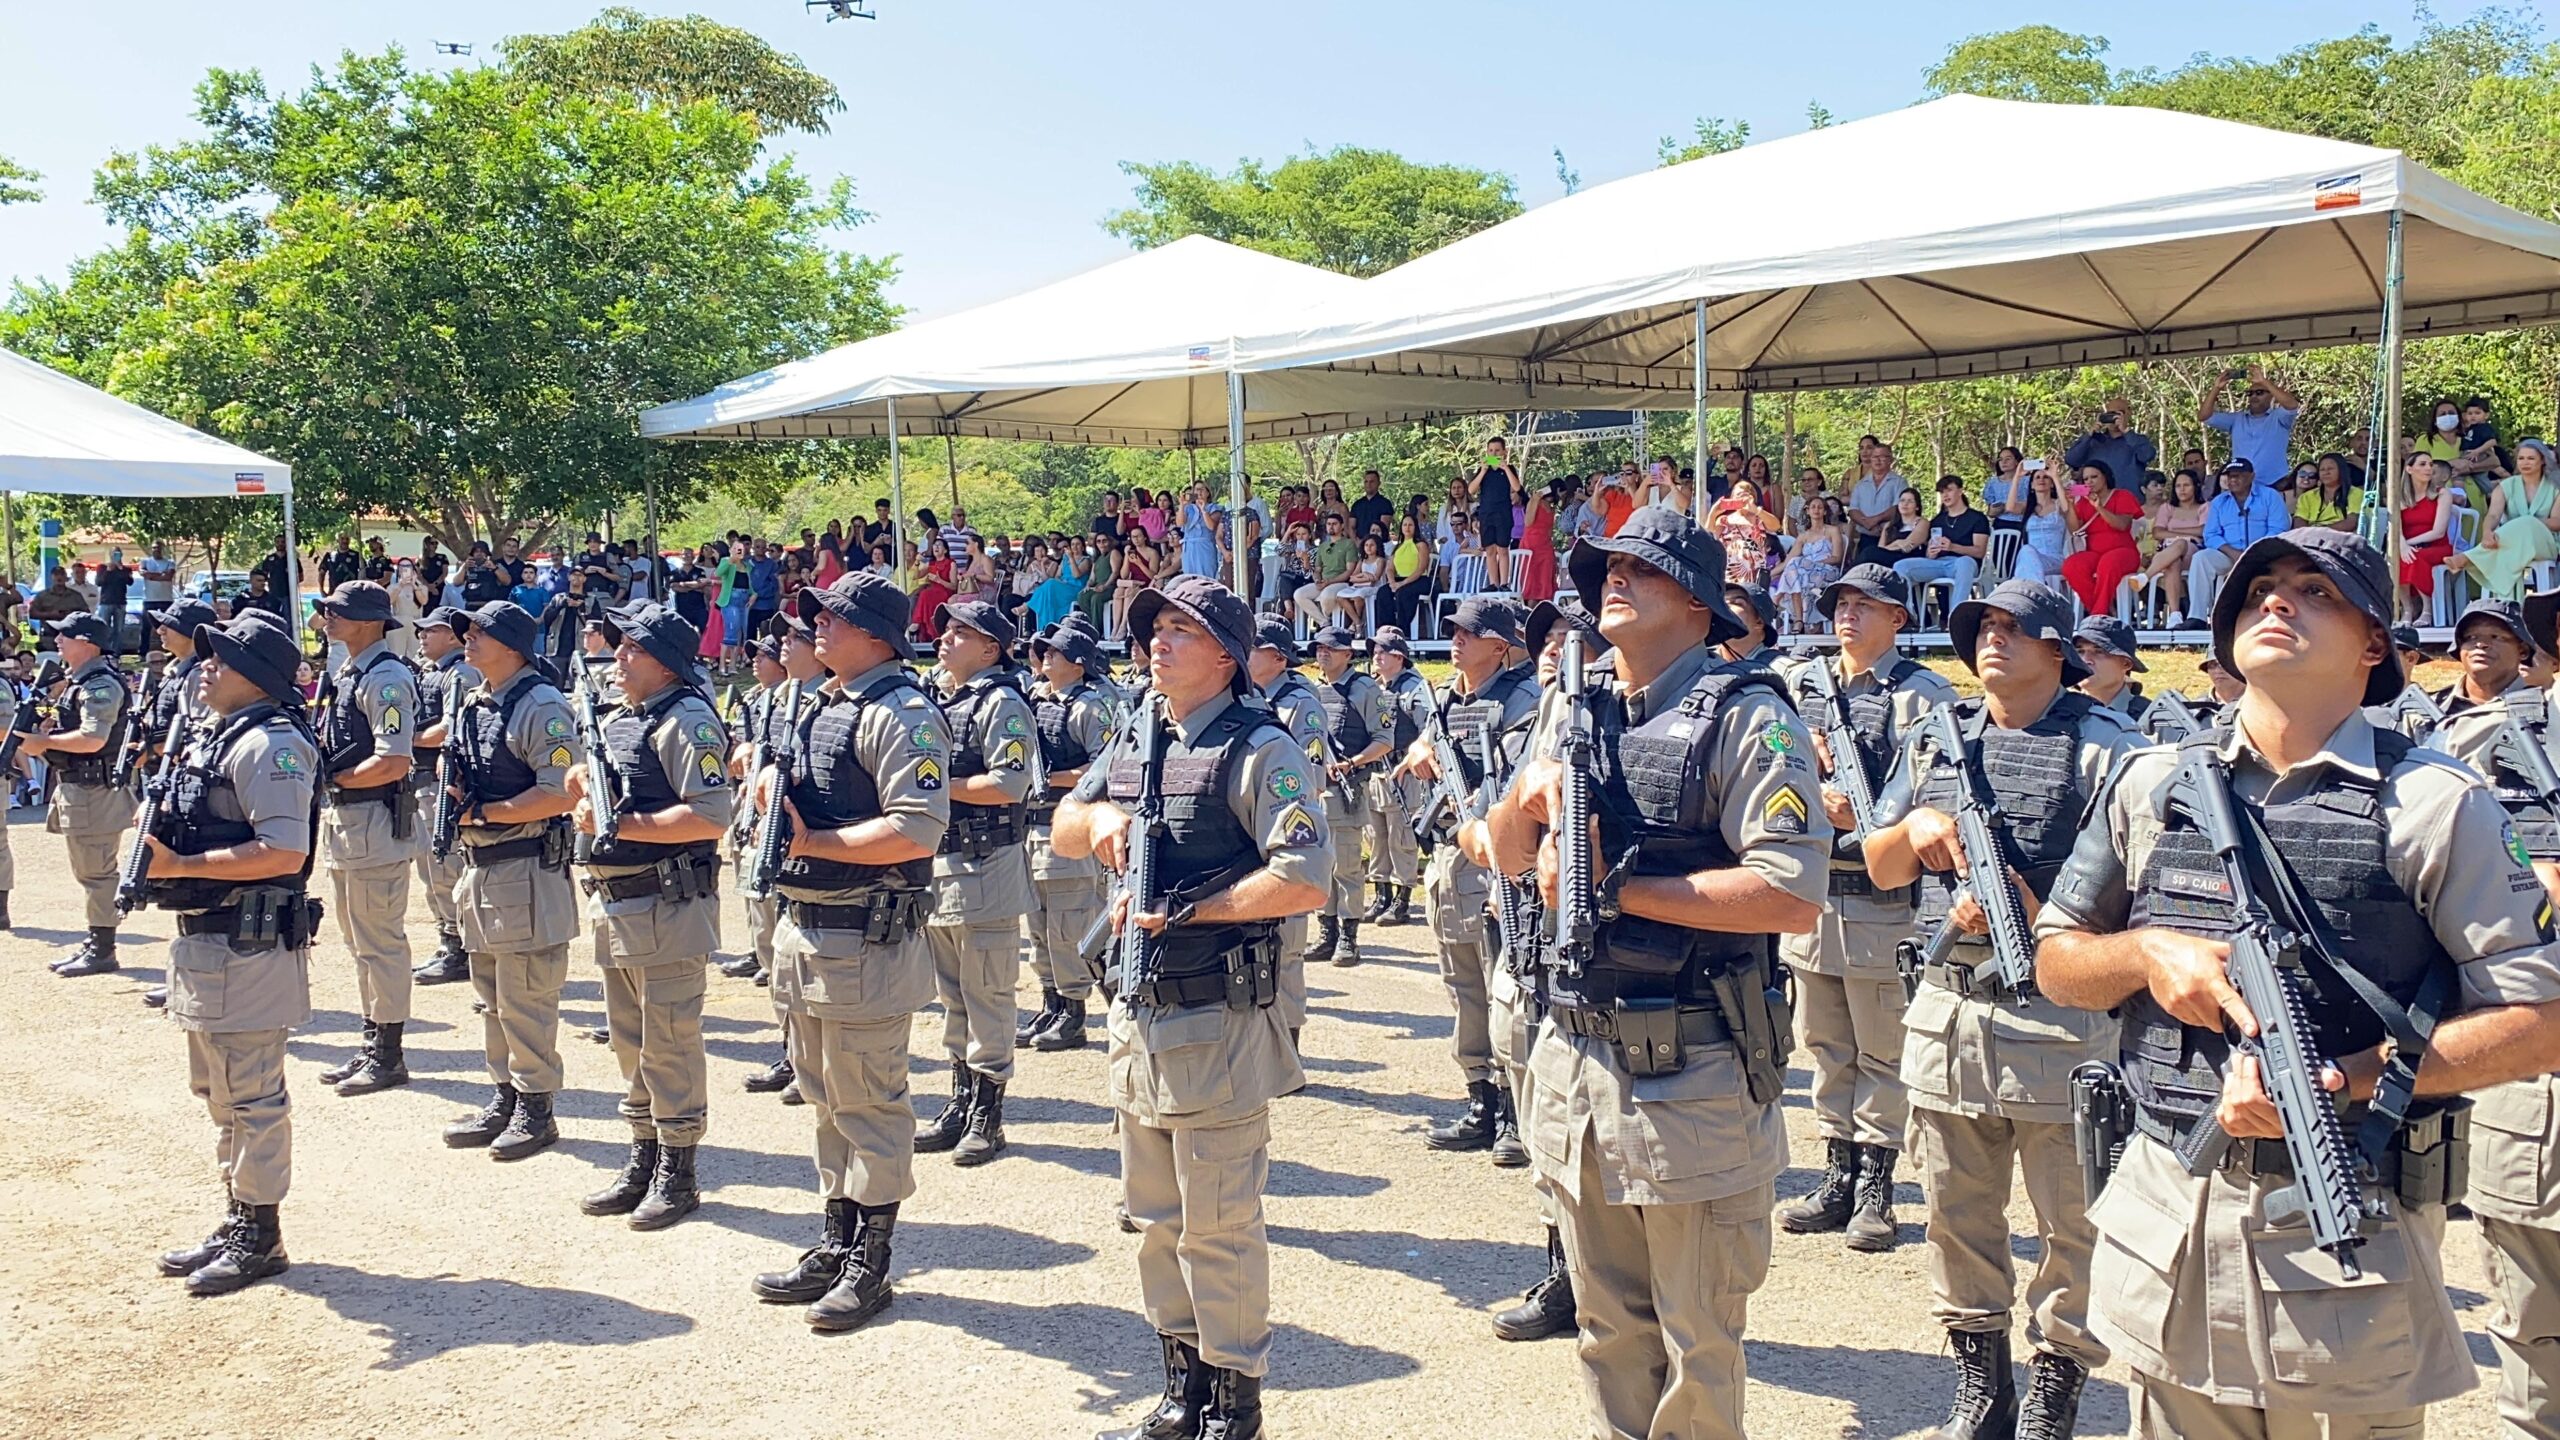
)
(444, 680)
(174, 711)
(1276, 680)
(1358, 737)
(232, 856)
(2235, 1324)
(653, 898)
(754, 713)
(1989, 1068)
(1656, 1078)
(868, 793)
(89, 812)
(1074, 714)
(1849, 993)
(2494, 644)
(981, 878)
(518, 905)
(1395, 855)
(369, 832)
(1199, 1049)
(803, 679)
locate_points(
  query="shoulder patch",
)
(1013, 725)
(390, 720)
(1297, 827)
(2515, 845)
(925, 737)
(560, 755)
(391, 694)
(288, 763)
(1778, 739)
(555, 727)
(707, 732)
(928, 775)
(1785, 813)
(1011, 757)
(713, 772)
(1286, 784)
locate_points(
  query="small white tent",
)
(60, 436)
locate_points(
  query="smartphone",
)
(2030, 467)
(2240, 374)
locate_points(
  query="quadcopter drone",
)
(843, 9)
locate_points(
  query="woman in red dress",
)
(936, 589)
(1537, 581)
(2426, 529)
(2104, 521)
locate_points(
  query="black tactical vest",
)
(346, 736)
(832, 790)
(1461, 718)
(1053, 716)
(630, 748)
(1871, 716)
(2335, 840)
(1205, 847)
(1400, 702)
(189, 825)
(171, 701)
(2034, 776)
(1650, 789)
(490, 769)
(979, 829)
(98, 766)
(2535, 825)
(1345, 728)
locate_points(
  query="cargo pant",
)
(976, 971)
(518, 918)
(2515, 1193)
(371, 906)
(239, 1075)
(653, 1014)
(1394, 857)
(1849, 1000)
(849, 1005)
(91, 819)
(1346, 814)
(1454, 893)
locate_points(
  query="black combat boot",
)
(1235, 1407)
(1031, 1025)
(1328, 934)
(1827, 1208)
(1186, 1394)
(78, 956)
(771, 1078)
(252, 1251)
(451, 964)
(2052, 1405)
(862, 1289)
(1066, 1030)
(98, 959)
(1382, 899)
(530, 1132)
(383, 1065)
(353, 1062)
(741, 967)
(601, 1034)
(1404, 906)
(1548, 1307)
(621, 1195)
(188, 1261)
(1986, 1405)
(943, 1131)
(474, 1131)
(791, 1093)
(1508, 1152)
(982, 1137)
(1347, 953)
(816, 1270)
(1472, 1130)
(157, 997)
(4, 911)
(672, 1192)
(1871, 1227)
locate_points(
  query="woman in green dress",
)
(2522, 527)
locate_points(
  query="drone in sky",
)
(843, 9)
(448, 47)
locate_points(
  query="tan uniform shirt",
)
(692, 748)
(1207, 1065)
(997, 887)
(524, 905)
(93, 809)
(1921, 690)
(358, 837)
(271, 770)
(1697, 1135)
(2193, 1285)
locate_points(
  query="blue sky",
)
(985, 135)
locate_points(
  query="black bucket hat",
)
(1213, 606)
(1762, 603)
(1876, 582)
(1670, 542)
(2406, 637)
(2542, 617)
(258, 649)
(2040, 610)
(447, 617)
(664, 636)
(867, 601)
(1273, 633)
(2505, 613)
(505, 622)
(1335, 637)
(976, 615)
(182, 616)
(1390, 641)
(1077, 644)
(1496, 617)
(2111, 635)
(364, 601)
(2357, 569)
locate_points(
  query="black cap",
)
(1876, 582)
(2040, 610)
(767, 647)
(1496, 617)
(2542, 617)
(1672, 543)
(449, 617)
(2507, 614)
(257, 648)
(182, 616)
(1544, 616)
(603, 624)
(1273, 633)
(1390, 641)
(1335, 637)
(1216, 608)
(1762, 603)
(2406, 637)
(505, 622)
(2111, 635)
(2357, 569)
(664, 636)
(978, 615)
(867, 601)
(361, 601)
(2240, 465)
(1076, 643)
(83, 626)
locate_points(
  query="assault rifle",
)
(1447, 796)
(448, 817)
(2519, 752)
(1577, 923)
(1141, 953)
(32, 710)
(2416, 712)
(604, 788)
(133, 881)
(772, 839)
(141, 737)
(2171, 719)
(2013, 950)
(1514, 904)
(2266, 967)
(1814, 681)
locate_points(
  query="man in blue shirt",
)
(2261, 432)
(2241, 515)
(2126, 451)
(764, 586)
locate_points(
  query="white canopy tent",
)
(62, 436)
(1970, 237)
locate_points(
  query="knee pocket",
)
(1222, 1172)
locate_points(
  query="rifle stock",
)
(133, 881)
(1140, 956)
(1577, 921)
(1986, 876)
(2172, 718)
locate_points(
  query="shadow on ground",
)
(421, 1317)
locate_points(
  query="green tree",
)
(2032, 62)
(1712, 135)
(677, 62)
(17, 183)
(1361, 212)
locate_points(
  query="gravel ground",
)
(436, 1293)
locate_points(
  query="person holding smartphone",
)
(2127, 451)
(1495, 483)
(2262, 430)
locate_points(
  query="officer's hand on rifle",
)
(2190, 979)
(1933, 839)
(1108, 828)
(1967, 914)
(1835, 806)
(1821, 751)
(583, 815)
(799, 847)
(1153, 922)
(163, 861)
(2245, 1112)
(1417, 762)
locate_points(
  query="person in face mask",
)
(410, 602)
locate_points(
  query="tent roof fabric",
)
(62, 436)
(1971, 246)
(1132, 353)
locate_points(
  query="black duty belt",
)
(892, 916)
(1698, 1026)
(1247, 979)
(1040, 815)
(1960, 978)
(625, 887)
(367, 795)
(525, 849)
(1853, 880)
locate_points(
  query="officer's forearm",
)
(1071, 833)
(873, 842)
(1736, 900)
(1891, 862)
(2480, 1048)
(1512, 835)
(380, 770)
(675, 825)
(250, 860)
(1061, 780)
(1263, 895)
(431, 737)
(2092, 972)
(534, 804)
(67, 743)
(1371, 756)
(982, 790)
(1476, 843)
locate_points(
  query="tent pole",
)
(1747, 447)
(9, 535)
(897, 496)
(1698, 407)
(649, 560)
(292, 574)
(1787, 448)
(2386, 433)
(1235, 483)
(951, 460)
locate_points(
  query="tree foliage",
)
(1361, 212)
(1710, 135)
(17, 183)
(2032, 62)
(678, 62)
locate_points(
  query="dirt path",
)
(435, 1293)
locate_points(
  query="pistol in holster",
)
(266, 916)
(2101, 1122)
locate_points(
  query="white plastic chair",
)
(2001, 560)
(2466, 534)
